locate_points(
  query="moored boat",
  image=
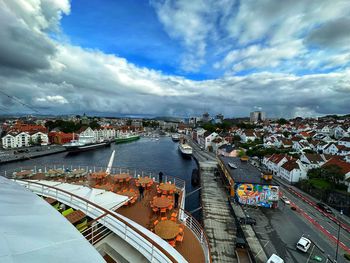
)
(127, 138)
(175, 137)
(185, 150)
(85, 143)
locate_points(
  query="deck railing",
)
(199, 232)
(149, 245)
(134, 172)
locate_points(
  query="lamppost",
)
(336, 253)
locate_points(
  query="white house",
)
(9, 141)
(301, 145)
(248, 135)
(311, 161)
(274, 162)
(22, 139)
(39, 136)
(339, 132)
(292, 171)
(345, 141)
(209, 138)
(331, 148)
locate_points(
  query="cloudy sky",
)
(175, 58)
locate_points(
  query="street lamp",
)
(336, 253)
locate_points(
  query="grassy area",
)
(320, 183)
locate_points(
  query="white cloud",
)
(71, 79)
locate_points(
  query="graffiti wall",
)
(256, 194)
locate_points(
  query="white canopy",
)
(31, 231)
(106, 199)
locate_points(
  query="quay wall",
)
(31, 154)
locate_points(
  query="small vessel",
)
(195, 179)
(85, 143)
(232, 165)
(175, 137)
(185, 150)
(127, 138)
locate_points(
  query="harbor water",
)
(149, 154)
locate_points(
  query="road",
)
(320, 221)
(280, 229)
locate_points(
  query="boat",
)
(85, 143)
(232, 165)
(127, 138)
(185, 150)
(175, 137)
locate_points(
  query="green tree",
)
(282, 121)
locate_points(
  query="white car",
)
(285, 200)
(303, 244)
(275, 259)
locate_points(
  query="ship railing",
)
(199, 232)
(145, 242)
(67, 168)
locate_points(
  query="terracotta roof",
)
(276, 158)
(290, 165)
(314, 158)
(345, 167)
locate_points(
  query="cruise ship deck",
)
(171, 234)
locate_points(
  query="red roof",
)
(290, 165)
(345, 167)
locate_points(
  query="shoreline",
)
(32, 155)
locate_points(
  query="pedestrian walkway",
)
(218, 221)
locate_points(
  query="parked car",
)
(240, 242)
(324, 208)
(247, 220)
(275, 259)
(303, 244)
(285, 200)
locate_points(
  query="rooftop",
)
(244, 173)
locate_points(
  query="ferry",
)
(85, 143)
(185, 150)
(127, 138)
(175, 137)
(99, 213)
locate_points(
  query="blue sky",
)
(176, 57)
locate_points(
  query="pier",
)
(219, 223)
(8, 156)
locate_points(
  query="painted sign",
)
(256, 194)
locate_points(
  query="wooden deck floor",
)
(141, 213)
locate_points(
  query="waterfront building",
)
(247, 184)
(9, 141)
(61, 137)
(40, 138)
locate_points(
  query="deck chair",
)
(67, 211)
(82, 226)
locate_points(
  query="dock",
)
(31, 153)
(219, 223)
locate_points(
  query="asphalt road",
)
(280, 229)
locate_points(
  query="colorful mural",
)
(256, 194)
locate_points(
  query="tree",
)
(282, 121)
(314, 173)
(333, 173)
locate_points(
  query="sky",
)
(175, 58)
